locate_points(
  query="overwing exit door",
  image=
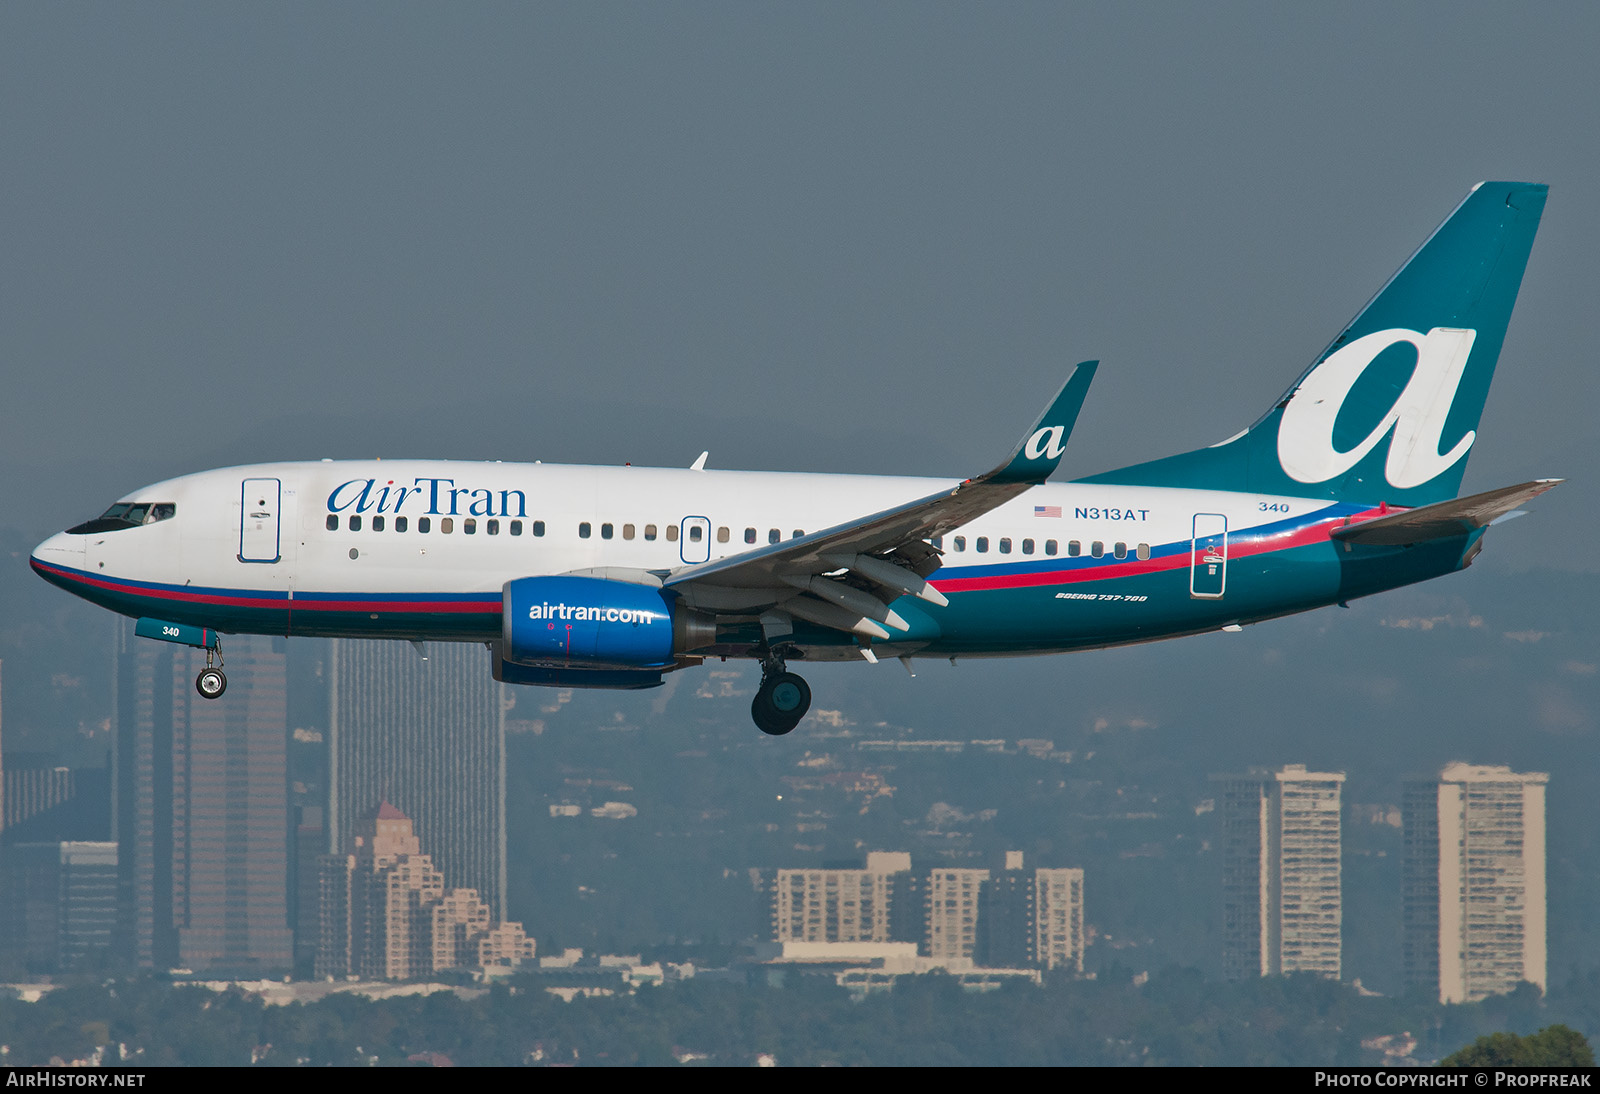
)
(694, 540)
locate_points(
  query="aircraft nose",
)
(60, 549)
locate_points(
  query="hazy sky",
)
(836, 237)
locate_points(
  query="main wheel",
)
(211, 683)
(780, 703)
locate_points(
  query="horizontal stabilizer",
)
(1444, 519)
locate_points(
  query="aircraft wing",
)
(1441, 520)
(883, 555)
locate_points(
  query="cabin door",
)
(1208, 557)
(260, 505)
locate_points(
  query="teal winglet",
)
(1039, 451)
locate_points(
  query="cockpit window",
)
(126, 514)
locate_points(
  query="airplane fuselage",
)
(423, 549)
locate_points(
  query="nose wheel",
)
(780, 702)
(212, 681)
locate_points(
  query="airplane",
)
(611, 577)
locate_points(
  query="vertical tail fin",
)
(1389, 411)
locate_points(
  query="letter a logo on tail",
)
(1305, 434)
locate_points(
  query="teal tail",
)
(1389, 411)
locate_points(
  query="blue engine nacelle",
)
(596, 623)
(603, 679)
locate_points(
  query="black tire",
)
(781, 701)
(767, 721)
(211, 683)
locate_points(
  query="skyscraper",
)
(387, 915)
(1474, 882)
(429, 737)
(834, 905)
(1031, 917)
(58, 903)
(201, 810)
(1281, 896)
(952, 908)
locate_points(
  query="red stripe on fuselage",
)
(1243, 547)
(272, 603)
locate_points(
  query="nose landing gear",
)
(212, 681)
(781, 701)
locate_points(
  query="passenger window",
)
(538, 527)
(377, 524)
(1049, 546)
(400, 524)
(469, 526)
(722, 534)
(447, 525)
(584, 530)
(961, 543)
(1119, 549)
(798, 532)
(672, 533)
(1027, 546)
(1005, 545)
(650, 531)
(516, 527)
(1143, 550)
(332, 523)
(937, 543)
(606, 531)
(983, 544)
(1074, 549)
(423, 524)
(749, 535)
(696, 533)
(355, 522)
(627, 531)
(1097, 549)
(493, 527)
(774, 536)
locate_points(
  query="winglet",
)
(1037, 455)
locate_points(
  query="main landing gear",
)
(782, 699)
(212, 681)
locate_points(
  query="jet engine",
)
(576, 622)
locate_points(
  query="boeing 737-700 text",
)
(609, 577)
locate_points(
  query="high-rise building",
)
(428, 736)
(1474, 882)
(1031, 918)
(386, 914)
(1058, 940)
(202, 810)
(1282, 907)
(58, 903)
(47, 803)
(839, 905)
(952, 906)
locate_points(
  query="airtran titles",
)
(427, 497)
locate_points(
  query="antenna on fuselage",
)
(700, 464)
